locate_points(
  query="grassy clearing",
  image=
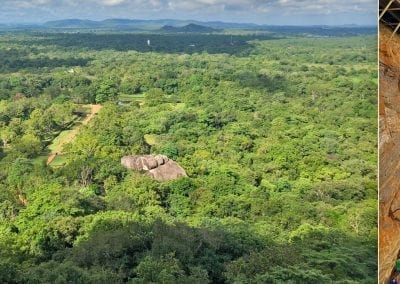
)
(125, 98)
(63, 138)
(59, 161)
(40, 160)
(179, 106)
(66, 136)
(85, 109)
(151, 139)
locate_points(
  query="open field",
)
(67, 136)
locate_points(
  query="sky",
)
(276, 12)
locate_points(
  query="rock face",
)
(389, 150)
(159, 167)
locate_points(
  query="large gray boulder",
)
(159, 167)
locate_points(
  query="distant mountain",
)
(190, 28)
(225, 25)
(72, 23)
(191, 25)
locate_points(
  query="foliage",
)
(278, 137)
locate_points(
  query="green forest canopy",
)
(278, 140)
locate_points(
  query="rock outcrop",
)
(159, 167)
(389, 150)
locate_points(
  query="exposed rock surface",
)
(159, 167)
(389, 150)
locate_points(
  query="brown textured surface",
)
(159, 167)
(389, 150)
(168, 171)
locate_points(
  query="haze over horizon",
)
(276, 12)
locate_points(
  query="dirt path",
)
(94, 110)
(73, 133)
(51, 158)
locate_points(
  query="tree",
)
(154, 97)
(107, 91)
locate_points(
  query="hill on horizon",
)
(193, 26)
(190, 28)
(137, 23)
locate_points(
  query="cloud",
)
(287, 6)
(112, 2)
(245, 5)
(202, 9)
